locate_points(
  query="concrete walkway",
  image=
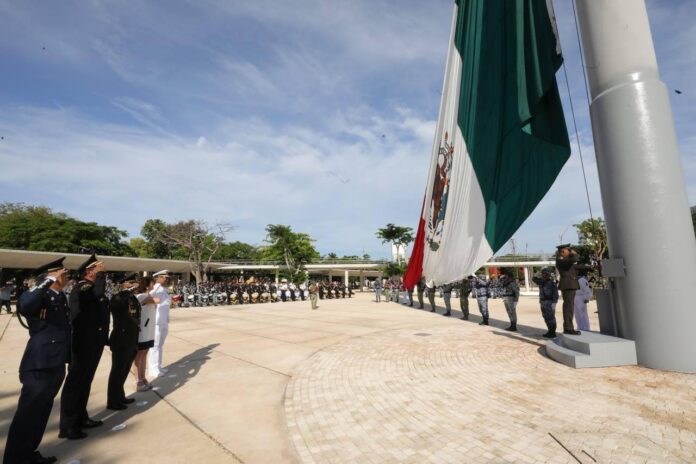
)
(357, 381)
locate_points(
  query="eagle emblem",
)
(440, 193)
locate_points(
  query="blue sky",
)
(311, 113)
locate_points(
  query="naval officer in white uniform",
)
(161, 322)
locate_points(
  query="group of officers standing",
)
(573, 285)
(72, 327)
(256, 290)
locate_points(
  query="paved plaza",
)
(361, 382)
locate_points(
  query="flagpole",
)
(642, 183)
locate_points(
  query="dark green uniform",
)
(464, 292)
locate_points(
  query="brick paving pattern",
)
(467, 394)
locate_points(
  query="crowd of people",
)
(255, 290)
(70, 322)
(573, 284)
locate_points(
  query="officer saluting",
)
(90, 323)
(42, 369)
(125, 312)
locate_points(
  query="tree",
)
(38, 228)
(331, 255)
(593, 234)
(237, 251)
(200, 241)
(295, 249)
(397, 235)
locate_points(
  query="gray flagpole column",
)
(642, 184)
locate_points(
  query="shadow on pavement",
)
(180, 372)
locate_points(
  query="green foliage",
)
(295, 249)
(237, 251)
(394, 269)
(156, 246)
(38, 228)
(593, 234)
(397, 235)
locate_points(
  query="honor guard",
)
(378, 289)
(90, 324)
(42, 369)
(421, 290)
(464, 292)
(447, 296)
(480, 292)
(125, 313)
(548, 297)
(510, 291)
(431, 294)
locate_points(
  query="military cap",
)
(91, 262)
(50, 267)
(163, 272)
(127, 277)
(565, 245)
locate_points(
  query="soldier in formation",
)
(480, 292)
(509, 290)
(548, 297)
(464, 292)
(566, 259)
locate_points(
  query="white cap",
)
(163, 272)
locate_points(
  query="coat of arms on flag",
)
(440, 191)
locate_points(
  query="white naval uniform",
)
(161, 329)
(582, 320)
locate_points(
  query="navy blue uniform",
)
(90, 322)
(42, 369)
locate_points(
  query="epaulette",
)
(84, 285)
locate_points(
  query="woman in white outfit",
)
(162, 323)
(146, 337)
(582, 297)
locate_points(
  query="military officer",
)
(42, 368)
(510, 291)
(548, 297)
(90, 323)
(125, 313)
(447, 296)
(480, 292)
(160, 292)
(313, 294)
(421, 290)
(378, 289)
(430, 285)
(464, 292)
(566, 259)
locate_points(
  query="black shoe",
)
(421, 307)
(411, 305)
(116, 407)
(90, 424)
(72, 434)
(484, 321)
(37, 458)
(432, 310)
(512, 328)
(447, 314)
(128, 400)
(571, 332)
(549, 335)
(464, 318)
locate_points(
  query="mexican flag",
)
(501, 137)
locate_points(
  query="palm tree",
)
(397, 235)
